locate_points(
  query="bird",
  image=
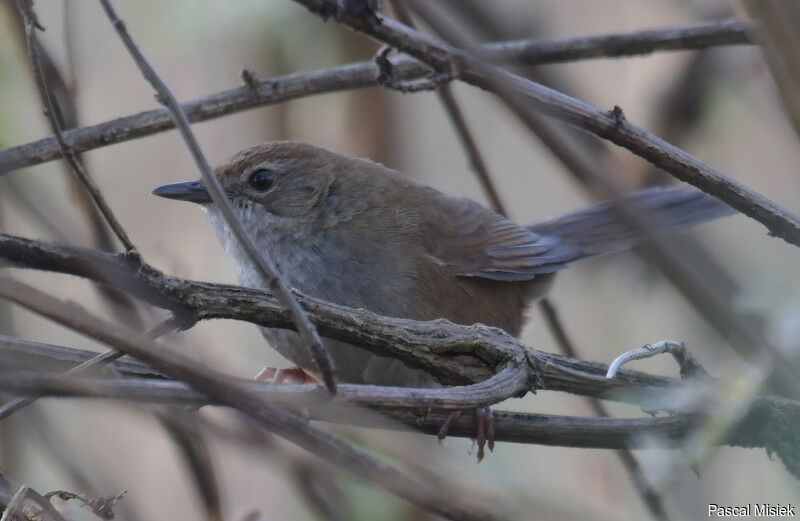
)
(359, 234)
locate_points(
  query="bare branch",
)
(684, 38)
(355, 76)
(454, 353)
(54, 116)
(471, 357)
(22, 354)
(299, 397)
(264, 265)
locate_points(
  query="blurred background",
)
(720, 105)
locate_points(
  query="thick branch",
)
(456, 354)
(363, 74)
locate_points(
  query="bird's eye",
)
(261, 180)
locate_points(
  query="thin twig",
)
(689, 366)
(15, 511)
(298, 397)
(468, 143)
(266, 268)
(690, 37)
(352, 76)
(649, 495)
(171, 324)
(54, 116)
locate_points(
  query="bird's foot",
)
(484, 429)
(292, 375)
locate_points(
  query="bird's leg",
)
(292, 375)
(484, 428)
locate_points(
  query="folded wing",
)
(472, 241)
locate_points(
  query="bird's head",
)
(285, 192)
(281, 179)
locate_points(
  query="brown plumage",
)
(356, 233)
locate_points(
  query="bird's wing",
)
(471, 241)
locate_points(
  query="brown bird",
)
(356, 233)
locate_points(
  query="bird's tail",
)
(601, 228)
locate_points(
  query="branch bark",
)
(455, 354)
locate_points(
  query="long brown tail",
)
(601, 229)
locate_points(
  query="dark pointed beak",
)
(192, 191)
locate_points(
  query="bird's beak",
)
(192, 191)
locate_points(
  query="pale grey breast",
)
(340, 275)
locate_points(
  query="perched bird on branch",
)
(356, 233)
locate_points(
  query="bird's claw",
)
(484, 430)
